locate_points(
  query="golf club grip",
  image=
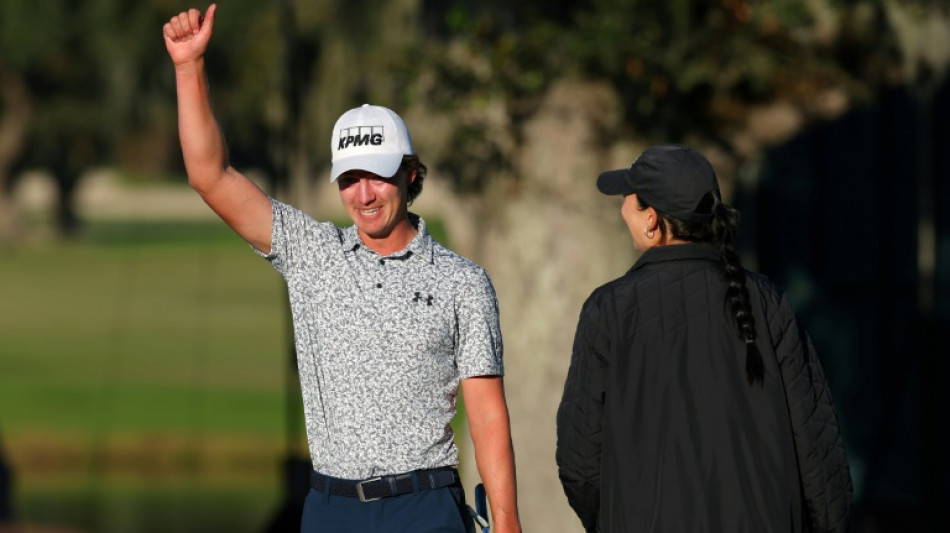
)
(481, 500)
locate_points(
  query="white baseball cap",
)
(371, 138)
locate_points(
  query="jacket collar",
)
(689, 251)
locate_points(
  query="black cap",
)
(672, 178)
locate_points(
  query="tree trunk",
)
(14, 122)
(547, 239)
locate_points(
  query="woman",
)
(694, 400)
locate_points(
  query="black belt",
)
(376, 488)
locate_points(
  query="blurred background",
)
(146, 366)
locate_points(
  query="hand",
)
(187, 35)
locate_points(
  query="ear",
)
(653, 220)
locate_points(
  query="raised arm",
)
(489, 426)
(236, 199)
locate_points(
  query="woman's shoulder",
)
(615, 290)
(771, 296)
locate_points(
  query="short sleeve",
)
(297, 238)
(479, 346)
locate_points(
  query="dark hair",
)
(409, 163)
(722, 232)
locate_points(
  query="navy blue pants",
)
(428, 511)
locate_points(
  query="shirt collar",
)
(689, 251)
(420, 245)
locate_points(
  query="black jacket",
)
(658, 429)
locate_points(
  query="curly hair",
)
(409, 163)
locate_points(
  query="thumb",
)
(207, 22)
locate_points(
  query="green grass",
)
(146, 510)
(127, 325)
(143, 380)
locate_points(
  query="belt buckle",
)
(359, 490)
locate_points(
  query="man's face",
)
(375, 204)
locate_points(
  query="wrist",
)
(190, 66)
(506, 525)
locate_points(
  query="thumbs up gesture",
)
(187, 35)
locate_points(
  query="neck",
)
(394, 241)
(663, 241)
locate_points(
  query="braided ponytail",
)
(722, 231)
(725, 226)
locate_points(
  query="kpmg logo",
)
(360, 136)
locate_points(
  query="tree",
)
(533, 103)
(16, 106)
(48, 65)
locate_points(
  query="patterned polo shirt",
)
(382, 343)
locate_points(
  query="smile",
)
(370, 212)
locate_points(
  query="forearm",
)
(202, 145)
(580, 418)
(490, 429)
(578, 454)
(496, 466)
(237, 200)
(823, 464)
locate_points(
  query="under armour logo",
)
(428, 298)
